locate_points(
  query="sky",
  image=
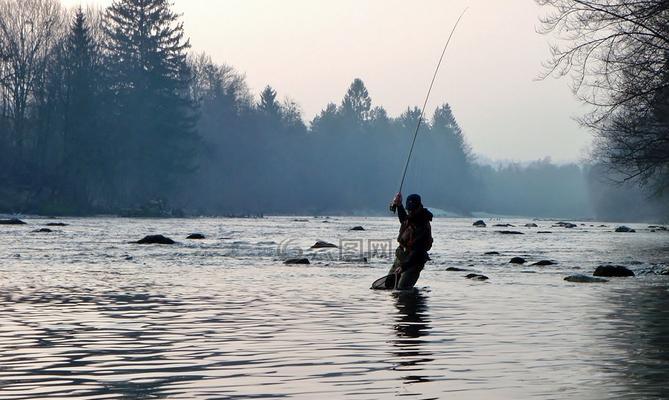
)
(311, 50)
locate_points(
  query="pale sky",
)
(311, 50)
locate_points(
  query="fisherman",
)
(415, 240)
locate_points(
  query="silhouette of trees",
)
(617, 53)
(146, 55)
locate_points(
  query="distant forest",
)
(108, 111)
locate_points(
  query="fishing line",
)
(427, 98)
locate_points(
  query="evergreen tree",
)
(85, 163)
(268, 103)
(357, 104)
(149, 72)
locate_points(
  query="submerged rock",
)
(584, 279)
(517, 260)
(613, 271)
(155, 239)
(567, 225)
(491, 253)
(543, 263)
(544, 232)
(625, 229)
(323, 245)
(43, 230)
(357, 228)
(456, 269)
(12, 221)
(297, 261)
(479, 224)
(510, 232)
(477, 277)
(531, 225)
(56, 224)
(503, 225)
(196, 236)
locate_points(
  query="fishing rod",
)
(427, 98)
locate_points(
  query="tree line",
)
(108, 111)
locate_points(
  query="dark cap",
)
(413, 202)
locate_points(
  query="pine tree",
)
(149, 72)
(357, 104)
(268, 103)
(83, 137)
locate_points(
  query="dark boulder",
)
(517, 260)
(492, 253)
(543, 263)
(584, 279)
(625, 229)
(297, 261)
(477, 277)
(357, 228)
(510, 232)
(13, 221)
(323, 245)
(456, 269)
(56, 224)
(531, 225)
(479, 224)
(544, 232)
(613, 271)
(43, 230)
(196, 236)
(567, 225)
(155, 239)
(503, 225)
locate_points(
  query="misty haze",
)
(196, 197)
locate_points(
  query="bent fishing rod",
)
(422, 111)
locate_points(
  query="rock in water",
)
(510, 232)
(479, 224)
(625, 229)
(43, 230)
(456, 269)
(503, 226)
(196, 236)
(155, 239)
(613, 271)
(323, 245)
(531, 225)
(297, 261)
(584, 279)
(477, 277)
(544, 232)
(543, 263)
(357, 228)
(13, 221)
(567, 225)
(56, 224)
(491, 253)
(517, 260)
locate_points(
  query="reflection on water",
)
(638, 343)
(84, 314)
(412, 323)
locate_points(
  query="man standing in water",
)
(415, 240)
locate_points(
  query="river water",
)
(85, 314)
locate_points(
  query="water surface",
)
(86, 314)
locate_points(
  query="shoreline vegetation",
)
(114, 114)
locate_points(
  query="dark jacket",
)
(415, 235)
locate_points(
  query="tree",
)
(86, 161)
(268, 103)
(617, 53)
(28, 31)
(147, 59)
(357, 104)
